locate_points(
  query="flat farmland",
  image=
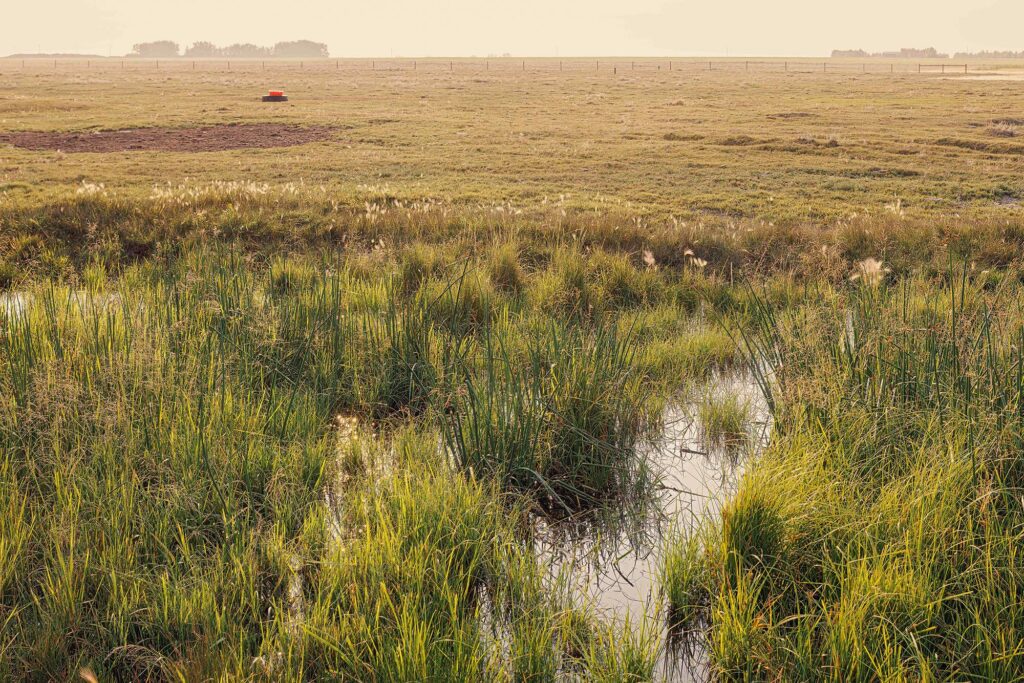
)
(727, 144)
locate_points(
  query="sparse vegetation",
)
(724, 420)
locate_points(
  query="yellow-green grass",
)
(215, 468)
(493, 281)
(876, 537)
(703, 146)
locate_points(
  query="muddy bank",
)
(199, 139)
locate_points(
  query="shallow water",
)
(614, 568)
(19, 302)
(14, 303)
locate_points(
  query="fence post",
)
(559, 66)
(746, 66)
(943, 68)
(709, 66)
(918, 68)
(670, 65)
(786, 66)
(965, 68)
(632, 66)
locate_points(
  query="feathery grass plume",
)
(870, 271)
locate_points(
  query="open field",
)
(498, 374)
(697, 145)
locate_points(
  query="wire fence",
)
(499, 65)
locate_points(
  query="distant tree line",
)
(991, 54)
(905, 53)
(294, 49)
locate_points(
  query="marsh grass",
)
(564, 422)
(171, 466)
(724, 420)
(505, 270)
(182, 500)
(871, 540)
(178, 496)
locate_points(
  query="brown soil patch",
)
(201, 139)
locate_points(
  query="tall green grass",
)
(177, 501)
(875, 539)
(564, 421)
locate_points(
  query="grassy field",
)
(295, 413)
(716, 146)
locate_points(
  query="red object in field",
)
(277, 93)
(275, 96)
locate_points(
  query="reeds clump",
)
(399, 366)
(852, 547)
(690, 355)
(724, 419)
(180, 499)
(419, 262)
(567, 290)
(462, 305)
(685, 583)
(564, 422)
(504, 269)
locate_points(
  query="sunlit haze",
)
(521, 28)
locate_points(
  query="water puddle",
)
(614, 568)
(14, 303)
(18, 303)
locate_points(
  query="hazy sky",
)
(520, 27)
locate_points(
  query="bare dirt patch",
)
(200, 139)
